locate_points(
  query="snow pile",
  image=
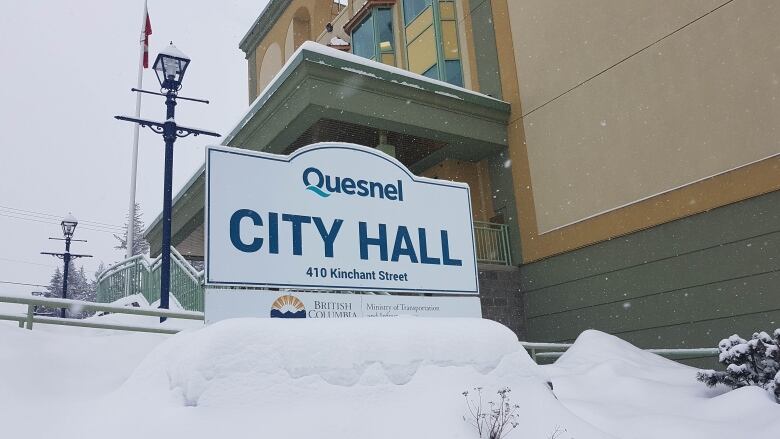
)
(233, 361)
(631, 393)
(372, 378)
(336, 41)
(366, 378)
(54, 365)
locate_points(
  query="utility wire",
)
(55, 220)
(27, 262)
(623, 60)
(22, 283)
(56, 217)
(4, 214)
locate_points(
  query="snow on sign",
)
(335, 216)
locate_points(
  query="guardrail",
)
(139, 275)
(26, 320)
(492, 243)
(554, 350)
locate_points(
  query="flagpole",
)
(136, 127)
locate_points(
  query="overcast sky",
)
(67, 70)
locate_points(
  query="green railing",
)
(553, 351)
(138, 275)
(26, 320)
(492, 242)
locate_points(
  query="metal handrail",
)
(195, 274)
(27, 320)
(120, 265)
(151, 263)
(560, 348)
(492, 243)
(139, 275)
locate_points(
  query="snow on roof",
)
(172, 50)
(312, 46)
(322, 49)
(325, 50)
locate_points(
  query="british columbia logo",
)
(288, 307)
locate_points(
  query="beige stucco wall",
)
(270, 65)
(475, 175)
(699, 103)
(302, 20)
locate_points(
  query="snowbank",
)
(53, 365)
(247, 355)
(631, 393)
(356, 378)
(371, 378)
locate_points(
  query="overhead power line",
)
(27, 262)
(54, 219)
(580, 84)
(58, 217)
(22, 283)
(37, 220)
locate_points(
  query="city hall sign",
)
(335, 216)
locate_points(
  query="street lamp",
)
(68, 224)
(170, 66)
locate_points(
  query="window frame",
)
(371, 14)
(441, 59)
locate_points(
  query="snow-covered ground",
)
(364, 378)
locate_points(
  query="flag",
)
(147, 31)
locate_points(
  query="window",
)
(412, 8)
(373, 38)
(363, 43)
(432, 39)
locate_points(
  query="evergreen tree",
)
(754, 362)
(140, 245)
(55, 284)
(101, 268)
(79, 288)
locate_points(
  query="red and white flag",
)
(147, 31)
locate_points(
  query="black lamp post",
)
(68, 228)
(170, 66)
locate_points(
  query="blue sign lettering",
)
(325, 185)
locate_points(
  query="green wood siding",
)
(687, 283)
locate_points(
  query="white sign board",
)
(338, 217)
(224, 304)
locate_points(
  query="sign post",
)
(334, 216)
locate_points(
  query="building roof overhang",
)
(263, 24)
(323, 83)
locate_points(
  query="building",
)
(623, 156)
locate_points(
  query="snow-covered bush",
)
(754, 362)
(494, 421)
